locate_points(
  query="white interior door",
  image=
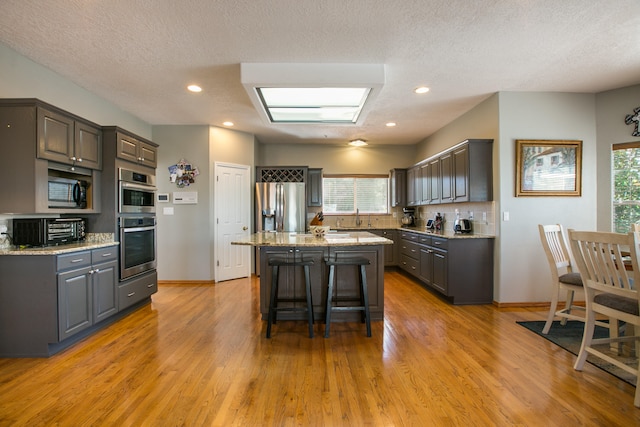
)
(233, 221)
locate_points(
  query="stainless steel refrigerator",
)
(280, 206)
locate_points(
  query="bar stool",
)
(276, 263)
(364, 296)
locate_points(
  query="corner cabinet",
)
(460, 269)
(130, 147)
(398, 183)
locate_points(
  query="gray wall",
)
(611, 109)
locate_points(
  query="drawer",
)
(425, 240)
(409, 249)
(409, 236)
(104, 254)
(440, 243)
(409, 264)
(74, 260)
(137, 290)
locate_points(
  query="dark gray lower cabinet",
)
(461, 269)
(48, 302)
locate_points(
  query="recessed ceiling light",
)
(194, 88)
(358, 143)
(421, 89)
(391, 124)
(227, 123)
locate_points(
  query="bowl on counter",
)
(319, 230)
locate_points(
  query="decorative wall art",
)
(548, 168)
(183, 173)
(635, 117)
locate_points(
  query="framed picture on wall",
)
(548, 168)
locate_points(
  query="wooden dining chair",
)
(563, 277)
(609, 291)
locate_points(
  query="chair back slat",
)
(600, 258)
(555, 247)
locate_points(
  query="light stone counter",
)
(93, 241)
(351, 238)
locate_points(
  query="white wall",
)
(611, 109)
(523, 272)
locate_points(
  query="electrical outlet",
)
(470, 215)
(394, 214)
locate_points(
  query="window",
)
(344, 194)
(626, 186)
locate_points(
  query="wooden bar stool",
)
(275, 264)
(364, 296)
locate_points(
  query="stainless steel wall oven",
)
(137, 245)
(137, 192)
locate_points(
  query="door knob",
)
(244, 228)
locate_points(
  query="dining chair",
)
(603, 260)
(562, 275)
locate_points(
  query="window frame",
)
(358, 176)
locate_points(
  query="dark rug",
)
(569, 337)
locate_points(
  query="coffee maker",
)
(408, 219)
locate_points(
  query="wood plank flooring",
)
(197, 356)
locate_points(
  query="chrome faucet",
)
(358, 220)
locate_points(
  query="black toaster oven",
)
(47, 231)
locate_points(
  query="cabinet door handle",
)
(79, 159)
(131, 294)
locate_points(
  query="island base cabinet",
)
(291, 280)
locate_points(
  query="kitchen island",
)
(332, 245)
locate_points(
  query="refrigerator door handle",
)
(279, 207)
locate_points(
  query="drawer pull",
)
(106, 255)
(437, 243)
(73, 261)
(131, 294)
(150, 285)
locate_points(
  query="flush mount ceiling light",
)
(421, 89)
(312, 93)
(194, 88)
(358, 143)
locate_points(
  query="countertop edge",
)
(58, 250)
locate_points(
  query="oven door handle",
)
(138, 186)
(135, 229)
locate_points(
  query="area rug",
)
(569, 337)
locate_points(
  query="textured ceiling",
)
(141, 54)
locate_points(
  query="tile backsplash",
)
(483, 213)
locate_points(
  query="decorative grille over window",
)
(281, 175)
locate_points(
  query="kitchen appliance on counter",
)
(408, 219)
(462, 226)
(48, 231)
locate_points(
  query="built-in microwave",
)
(137, 192)
(67, 193)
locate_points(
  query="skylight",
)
(312, 93)
(313, 104)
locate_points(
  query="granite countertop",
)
(352, 238)
(93, 241)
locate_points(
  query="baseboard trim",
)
(185, 282)
(546, 305)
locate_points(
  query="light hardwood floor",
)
(197, 355)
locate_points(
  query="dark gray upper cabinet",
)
(39, 138)
(68, 140)
(131, 147)
(314, 187)
(463, 173)
(398, 183)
